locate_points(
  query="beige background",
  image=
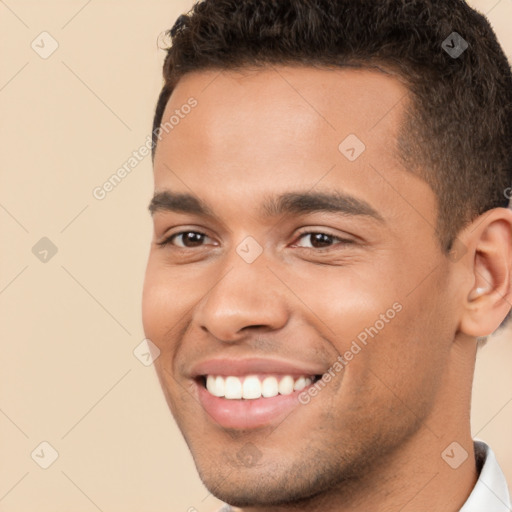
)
(69, 326)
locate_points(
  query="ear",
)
(488, 291)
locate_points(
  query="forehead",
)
(254, 131)
(287, 106)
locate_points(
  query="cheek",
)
(404, 363)
(152, 305)
(160, 304)
(349, 301)
(168, 299)
(380, 326)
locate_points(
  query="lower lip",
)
(247, 414)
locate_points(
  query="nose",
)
(246, 297)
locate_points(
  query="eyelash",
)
(168, 240)
(343, 241)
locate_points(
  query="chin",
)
(272, 484)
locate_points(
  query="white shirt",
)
(490, 493)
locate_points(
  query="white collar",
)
(490, 492)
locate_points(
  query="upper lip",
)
(249, 366)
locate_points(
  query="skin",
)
(372, 439)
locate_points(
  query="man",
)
(331, 242)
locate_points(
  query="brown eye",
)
(319, 240)
(186, 239)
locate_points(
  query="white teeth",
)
(269, 387)
(251, 387)
(300, 383)
(233, 388)
(220, 386)
(210, 385)
(215, 385)
(286, 385)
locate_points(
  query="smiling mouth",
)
(252, 387)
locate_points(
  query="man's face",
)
(245, 291)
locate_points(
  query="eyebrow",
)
(273, 206)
